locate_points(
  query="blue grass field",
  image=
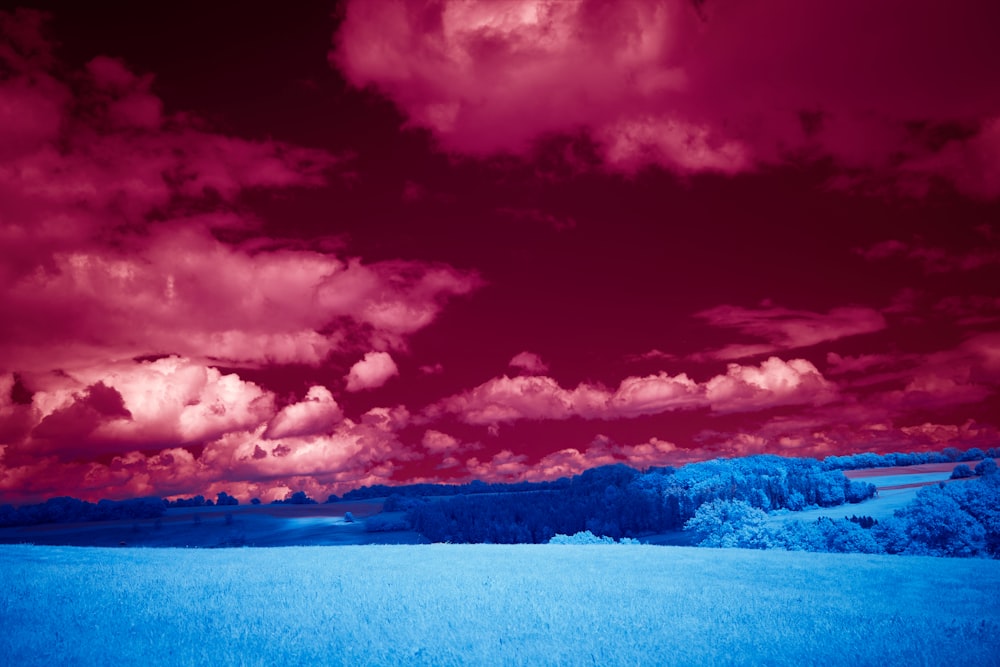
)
(492, 605)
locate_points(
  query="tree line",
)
(618, 501)
(947, 519)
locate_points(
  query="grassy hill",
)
(492, 605)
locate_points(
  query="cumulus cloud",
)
(131, 298)
(316, 413)
(774, 382)
(507, 399)
(173, 426)
(438, 442)
(373, 371)
(242, 462)
(786, 329)
(529, 362)
(111, 217)
(141, 404)
(693, 87)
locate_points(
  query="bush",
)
(961, 471)
(587, 537)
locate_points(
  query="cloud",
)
(316, 413)
(692, 87)
(137, 405)
(371, 372)
(786, 329)
(973, 163)
(222, 302)
(775, 382)
(966, 374)
(529, 362)
(931, 258)
(112, 217)
(236, 457)
(80, 416)
(507, 399)
(840, 365)
(438, 442)
(653, 394)
(507, 466)
(652, 355)
(604, 451)
(971, 309)
(743, 388)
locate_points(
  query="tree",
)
(938, 526)
(225, 500)
(986, 467)
(729, 523)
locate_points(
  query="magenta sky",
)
(322, 245)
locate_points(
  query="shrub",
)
(587, 537)
(961, 471)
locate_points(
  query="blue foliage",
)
(297, 498)
(986, 467)
(961, 471)
(71, 510)
(954, 520)
(226, 500)
(617, 501)
(894, 459)
(587, 537)
(729, 523)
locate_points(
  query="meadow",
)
(492, 605)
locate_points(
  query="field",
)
(492, 605)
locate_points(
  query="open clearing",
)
(492, 605)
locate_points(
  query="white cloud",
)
(371, 372)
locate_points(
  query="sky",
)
(318, 245)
